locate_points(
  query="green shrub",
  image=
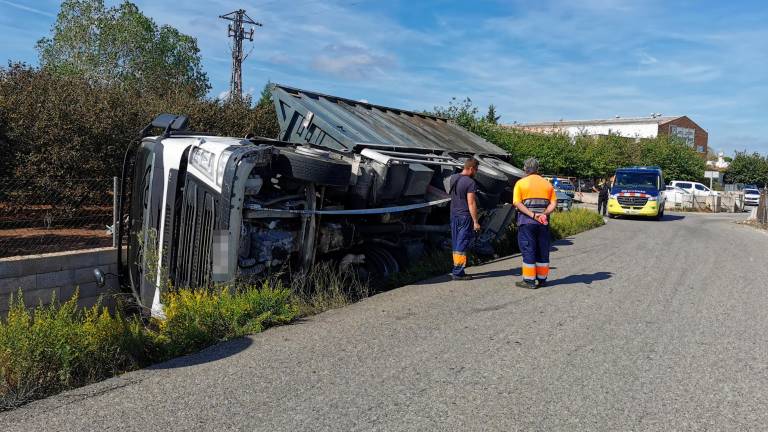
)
(61, 346)
(566, 224)
(195, 319)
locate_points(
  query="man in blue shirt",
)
(464, 219)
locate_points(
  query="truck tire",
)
(491, 180)
(512, 172)
(487, 201)
(312, 166)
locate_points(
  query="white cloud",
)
(351, 62)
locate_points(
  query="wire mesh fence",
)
(55, 214)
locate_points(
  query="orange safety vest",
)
(535, 192)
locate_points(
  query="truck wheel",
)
(486, 200)
(512, 172)
(491, 180)
(312, 165)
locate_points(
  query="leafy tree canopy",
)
(748, 169)
(121, 45)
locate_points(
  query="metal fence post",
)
(114, 210)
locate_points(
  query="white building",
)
(630, 127)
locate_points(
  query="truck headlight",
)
(222, 165)
(653, 198)
(203, 161)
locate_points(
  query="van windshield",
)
(636, 179)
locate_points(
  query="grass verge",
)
(61, 346)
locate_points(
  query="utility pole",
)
(237, 31)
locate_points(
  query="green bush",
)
(61, 346)
(566, 224)
(195, 319)
(67, 126)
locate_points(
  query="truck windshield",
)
(635, 179)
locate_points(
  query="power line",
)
(237, 31)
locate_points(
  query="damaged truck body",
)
(358, 184)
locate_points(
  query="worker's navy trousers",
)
(462, 234)
(534, 242)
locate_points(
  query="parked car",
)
(751, 197)
(562, 184)
(356, 184)
(564, 201)
(695, 188)
(676, 195)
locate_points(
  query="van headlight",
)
(653, 198)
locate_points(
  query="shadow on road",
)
(497, 273)
(666, 218)
(208, 355)
(584, 278)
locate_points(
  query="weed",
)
(326, 287)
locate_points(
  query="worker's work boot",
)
(464, 277)
(541, 283)
(524, 284)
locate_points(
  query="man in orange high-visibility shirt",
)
(535, 199)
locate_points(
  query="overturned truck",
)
(359, 184)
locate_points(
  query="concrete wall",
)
(61, 273)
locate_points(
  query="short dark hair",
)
(471, 163)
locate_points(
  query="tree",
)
(491, 116)
(265, 99)
(120, 45)
(463, 112)
(748, 168)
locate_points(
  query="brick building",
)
(630, 127)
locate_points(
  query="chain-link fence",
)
(55, 214)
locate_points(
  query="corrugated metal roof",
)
(342, 123)
(611, 121)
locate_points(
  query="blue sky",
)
(534, 60)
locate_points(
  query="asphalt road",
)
(647, 326)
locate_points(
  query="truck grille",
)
(632, 201)
(197, 223)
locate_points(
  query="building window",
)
(700, 149)
(686, 134)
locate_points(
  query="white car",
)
(751, 197)
(694, 188)
(676, 195)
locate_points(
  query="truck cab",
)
(637, 191)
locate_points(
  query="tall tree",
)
(749, 169)
(121, 45)
(491, 116)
